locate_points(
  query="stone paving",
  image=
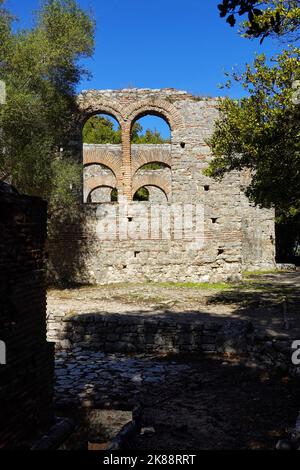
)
(90, 378)
(191, 402)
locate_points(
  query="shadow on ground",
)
(271, 302)
(191, 402)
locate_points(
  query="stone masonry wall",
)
(27, 378)
(237, 236)
(169, 333)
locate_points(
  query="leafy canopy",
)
(42, 67)
(261, 132)
(264, 17)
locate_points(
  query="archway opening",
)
(150, 129)
(114, 195)
(102, 158)
(101, 129)
(151, 193)
(142, 195)
(102, 194)
(151, 157)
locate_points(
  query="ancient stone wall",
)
(102, 171)
(236, 235)
(170, 333)
(26, 379)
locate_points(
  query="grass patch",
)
(68, 292)
(263, 272)
(195, 285)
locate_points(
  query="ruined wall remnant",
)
(26, 379)
(237, 236)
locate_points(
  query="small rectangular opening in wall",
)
(124, 266)
(206, 187)
(130, 219)
(220, 251)
(214, 220)
(136, 253)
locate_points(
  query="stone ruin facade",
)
(235, 236)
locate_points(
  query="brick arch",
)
(89, 195)
(151, 180)
(97, 182)
(95, 157)
(151, 156)
(157, 107)
(90, 106)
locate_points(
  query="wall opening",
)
(151, 193)
(114, 195)
(101, 129)
(149, 130)
(102, 157)
(151, 158)
(102, 194)
(141, 194)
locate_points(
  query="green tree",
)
(261, 133)
(150, 137)
(99, 130)
(136, 131)
(42, 67)
(142, 194)
(264, 17)
(138, 136)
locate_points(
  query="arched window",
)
(102, 194)
(151, 158)
(150, 193)
(101, 129)
(102, 158)
(150, 130)
(142, 194)
(114, 195)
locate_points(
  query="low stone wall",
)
(162, 334)
(128, 333)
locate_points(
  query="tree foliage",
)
(264, 17)
(142, 194)
(261, 132)
(42, 67)
(147, 137)
(99, 130)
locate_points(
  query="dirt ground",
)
(258, 298)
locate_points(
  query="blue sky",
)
(161, 43)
